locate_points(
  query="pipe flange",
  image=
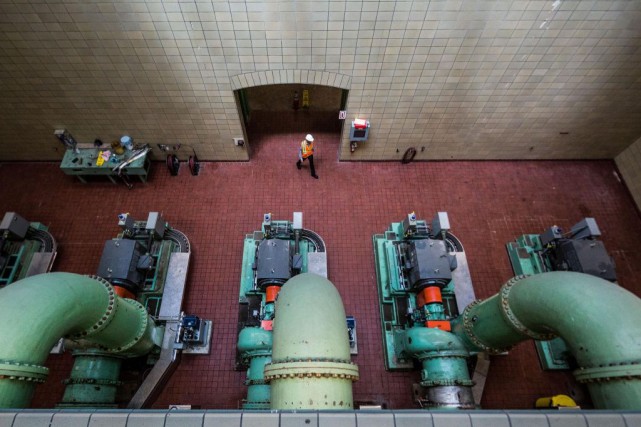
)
(613, 372)
(144, 318)
(446, 382)
(453, 354)
(248, 355)
(468, 327)
(314, 359)
(107, 317)
(23, 371)
(93, 381)
(313, 369)
(256, 382)
(511, 318)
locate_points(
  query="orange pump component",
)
(267, 325)
(271, 293)
(443, 325)
(429, 295)
(123, 293)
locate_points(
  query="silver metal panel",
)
(480, 375)
(317, 263)
(464, 290)
(297, 224)
(206, 348)
(59, 347)
(41, 262)
(574, 419)
(160, 373)
(172, 299)
(170, 308)
(440, 223)
(156, 223)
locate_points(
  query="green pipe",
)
(600, 322)
(444, 373)
(255, 347)
(311, 366)
(36, 311)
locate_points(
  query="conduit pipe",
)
(37, 311)
(600, 322)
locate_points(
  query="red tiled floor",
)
(489, 204)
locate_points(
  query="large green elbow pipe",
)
(37, 311)
(600, 322)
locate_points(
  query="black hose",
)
(314, 238)
(409, 155)
(47, 240)
(453, 243)
(180, 239)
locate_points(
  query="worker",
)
(307, 152)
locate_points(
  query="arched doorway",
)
(279, 108)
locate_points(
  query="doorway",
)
(277, 117)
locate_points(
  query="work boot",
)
(315, 176)
(298, 165)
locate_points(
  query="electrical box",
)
(429, 264)
(585, 228)
(192, 330)
(551, 234)
(156, 225)
(297, 224)
(351, 333)
(15, 225)
(409, 224)
(119, 263)
(440, 224)
(273, 262)
(359, 131)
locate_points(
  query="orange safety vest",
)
(307, 149)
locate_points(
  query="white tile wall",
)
(465, 79)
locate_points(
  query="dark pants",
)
(311, 164)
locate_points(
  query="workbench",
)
(82, 163)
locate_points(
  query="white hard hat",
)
(309, 137)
